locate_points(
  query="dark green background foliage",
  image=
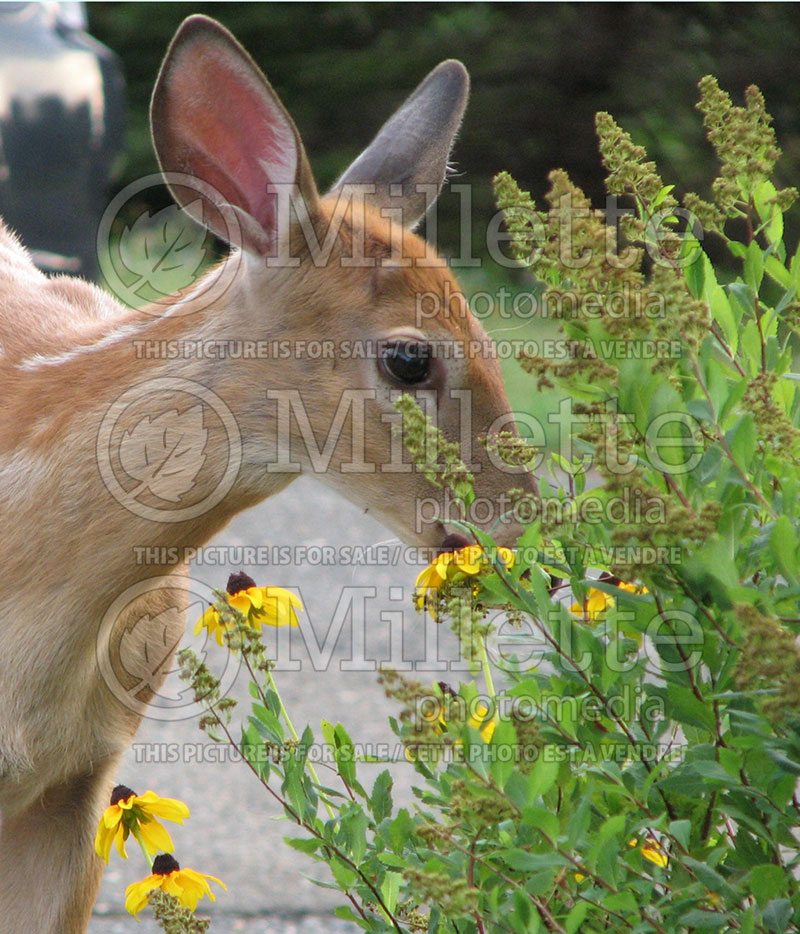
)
(539, 73)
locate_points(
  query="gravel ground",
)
(236, 831)
(228, 924)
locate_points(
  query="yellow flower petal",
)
(427, 580)
(507, 556)
(186, 885)
(189, 886)
(137, 892)
(102, 841)
(256, 595)
(656, 856)
(466, 560)
(279, 607)
(241, 601)
(469, 559)
(479, 722)
(632, 588)
(597, 602)
(654, 852)
(429, 577)
(208, 620)
(168, 808)
(111, 816)
(119, 839)
(155, 837)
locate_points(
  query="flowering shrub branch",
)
(629, 762)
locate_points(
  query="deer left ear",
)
(407, 160)
(215, 117)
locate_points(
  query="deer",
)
(68, 363)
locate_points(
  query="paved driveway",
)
(235, 831)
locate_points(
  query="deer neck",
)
(171, 389)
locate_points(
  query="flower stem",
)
(137, 833)
(287, 720)
(487, 669)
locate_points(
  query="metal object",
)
(61, 127)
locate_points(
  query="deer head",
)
(343, 274)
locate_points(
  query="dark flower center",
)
(164, 864)
(239, 581)
(121, 793)
(454, 542)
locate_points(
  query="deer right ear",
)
(407, 160)
(214, 117)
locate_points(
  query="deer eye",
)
(407, 362)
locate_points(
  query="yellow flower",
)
(652, 850)
(632, 588)
(485, 727)
(132, 813)
(455, 565)
(186, 885)
(278, 607)
(476, 720)
(596, 603)
(429, 579)
(270, 606)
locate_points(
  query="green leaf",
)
(767, 882)
(390, 889)
(269, 720)
(307, 845)
(742, 441)
(783, 541)
(346, 913)
(380, 801)
(723, 314)
(686, 708)
(681, 830)
(777, 915)
(390, 859)
(542, 820)
(525, 861)
(694, 272)
(711, 879)
(768, 211)
(576, 917)
(401, 830)
(343, 874)
(523, 917)
(541, 778)
(659, 198)
(354, 828)
(621, 901)
(503, 749)
(754, 266)
(344, 754)
(702, 920)
(775, 268)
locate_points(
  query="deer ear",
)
(407, 160)
(215, 119)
